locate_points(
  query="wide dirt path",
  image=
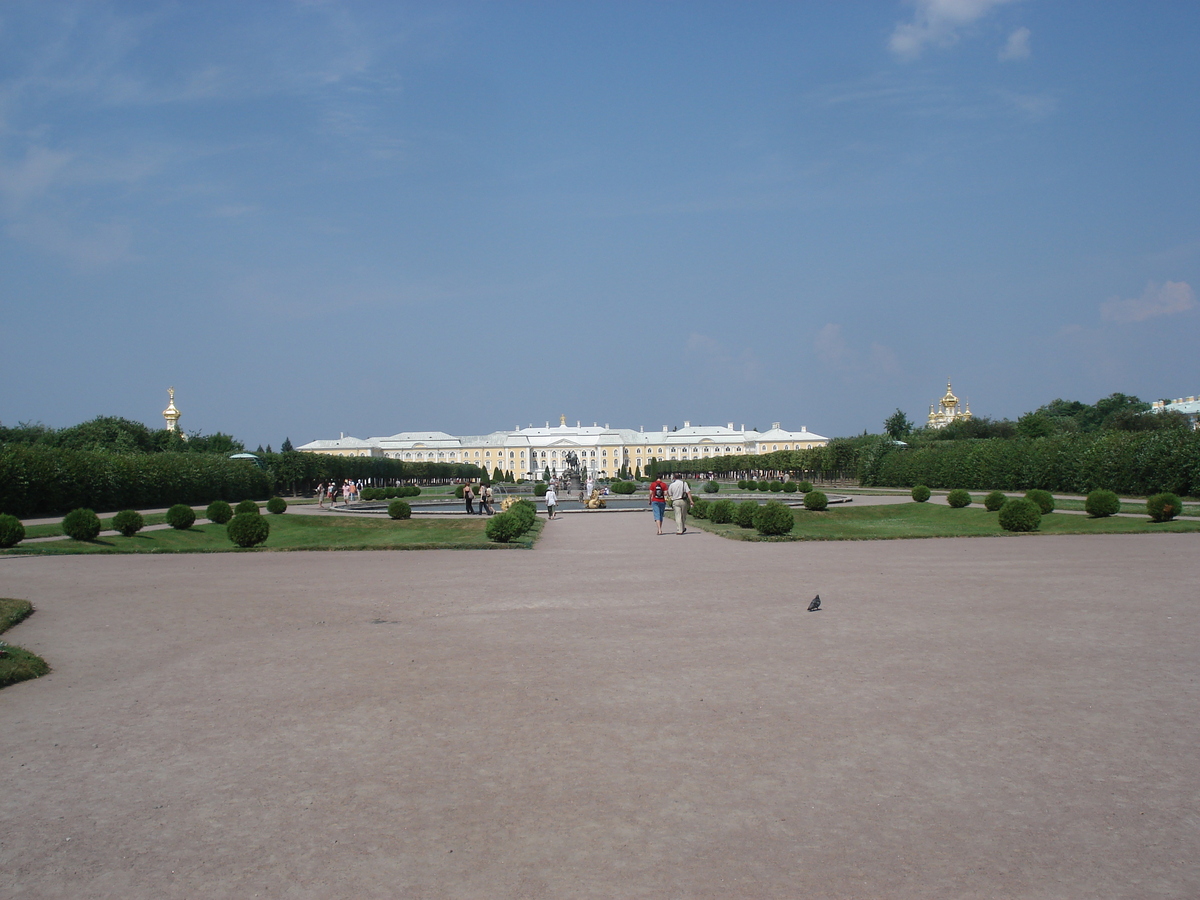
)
(612, 715)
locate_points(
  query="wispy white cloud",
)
(1156, 300)
(1016, 47)
(91, 245)
(939, 23)
(834, 351)
(1032, 106)
(744, 366)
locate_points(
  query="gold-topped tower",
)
(947, 410)
(171, 414)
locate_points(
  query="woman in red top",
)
(658, 501)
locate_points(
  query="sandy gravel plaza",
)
(610, 715)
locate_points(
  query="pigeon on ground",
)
(816, 604)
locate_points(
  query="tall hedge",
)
(1121, 461)
(36, 480)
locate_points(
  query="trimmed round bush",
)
(1019, 514)
(742, 484)
(744, 514)
(248, 529)
(181, 517)
(1163, 507)
(993, 501)
(920, 493)
(129, 522)
(81, 524)
(1044, 500)
(539, 489)
(711, 487)
(774, 517)
(805, 487)
(504, 527)
(790, 487)
(276, 505)
(623, 487)
(399, 509)
(763, 486)
(12, 532)
(409, 490)
(721, 512)
(1101, 504)
(246, 506)
(701, 507)
(816, 501)
(775, 486)
(219, 512)
(525, 512)
(958, 498)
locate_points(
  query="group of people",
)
(678, 494)
(483, 494)
(348, 490)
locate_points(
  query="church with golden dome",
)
(947, 410)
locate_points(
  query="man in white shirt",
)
(681, 501)
(551, 502)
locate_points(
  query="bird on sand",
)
(816, 604)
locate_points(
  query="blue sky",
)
(322, 217)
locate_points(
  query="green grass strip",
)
(17, 664)
(301, 533)
(924, 520)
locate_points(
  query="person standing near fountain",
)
(551, 502)
(469, 496)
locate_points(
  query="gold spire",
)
(171, 414)
(562, 421)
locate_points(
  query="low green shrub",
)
(409, 490)
(711, 487)
(774, 518)
(246, 506)
(1162, 507)
(1101, 504)
(128, 522)
(1043, 499)
(993, 501)
(790, 487)
(763, 486)
(920, 493)
(742, 484)
(12, 532)
(702, 508)
(805, 487)
(503, 527)
(181, 517)
(539, 489)
(399, 509)
(248, 529)
(276, 505)
(775, 487)
(219, 512)
(1019, 514)
(721, 512)
(81, 525)
(816, 501)
(743, 516)
(525, 512)
(958, 498)
(623, 487)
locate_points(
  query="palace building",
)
(602, 451)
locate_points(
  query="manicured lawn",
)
(300, 533)
(921, 520)
(16, 663)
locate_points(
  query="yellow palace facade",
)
(601, 450)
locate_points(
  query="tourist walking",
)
(551, 502)
(485, 500)
(681, 502)
(321, 495)
(658, 501)
(469, 496)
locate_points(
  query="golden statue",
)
(595, 501)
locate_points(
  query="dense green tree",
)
(897, 425)
(287, 446)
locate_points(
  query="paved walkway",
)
(612, 714)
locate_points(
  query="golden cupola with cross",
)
(948, 410)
